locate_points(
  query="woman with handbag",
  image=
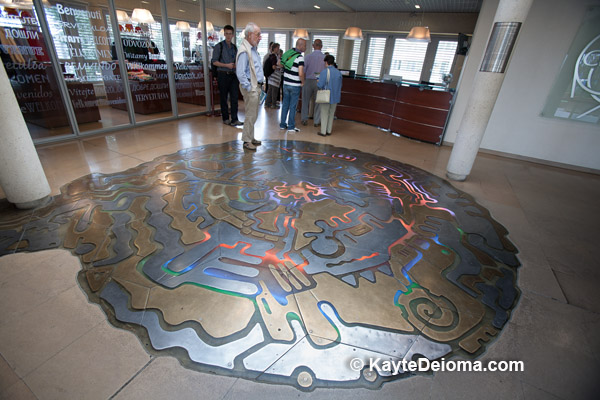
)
(328, 97)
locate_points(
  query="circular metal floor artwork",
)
(295, 264)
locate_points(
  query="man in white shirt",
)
(250, 74)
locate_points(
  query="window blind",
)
(330, 44)
(355, 55)
(444, 57)
(375, 56)
(281, 38)
(407, 59)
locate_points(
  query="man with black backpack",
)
(223, 59)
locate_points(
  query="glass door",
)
(34, 80)
(145, 59)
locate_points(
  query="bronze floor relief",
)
(284, 265)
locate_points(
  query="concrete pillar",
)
(22, 177)
(486, 86)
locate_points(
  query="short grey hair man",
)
(250, 28)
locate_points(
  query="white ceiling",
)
(437, 6)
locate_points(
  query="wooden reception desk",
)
(409, 111)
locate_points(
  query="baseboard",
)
(535, 160)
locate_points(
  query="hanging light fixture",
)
(142, 16)
(182, 26)
(122, 16)
(209, 26)
(301, 34)
(419, 34)
(353, 33)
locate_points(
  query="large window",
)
(375, 56)
(330, 43)
(444, 57)
(263, 46)
(281, 38)
(407, 59)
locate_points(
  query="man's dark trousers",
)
(228, 85)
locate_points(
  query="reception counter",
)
(409, 111)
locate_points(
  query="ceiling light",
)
(209, 26)
(419, 34)
(270, 8)
(417, 6)
(317, 7)
(228, 9)
(181, 10)
(145, 2)
(142, 16)
(122, 16)
(353, 33)
(182, 26)
(301, 34)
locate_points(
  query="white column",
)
(486, 86)
(22, 177)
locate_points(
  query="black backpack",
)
(268, 65)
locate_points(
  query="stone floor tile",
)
(8, 377)
(18, 391)
(165, 378)
(35, 278)
(476, 385)
(95, 366)
(533, 393)
(580, 291)
(36, 336)
(417, 388)
(550, 338)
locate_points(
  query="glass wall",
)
(84, 44)
(190, 67)
(33, 78)
(145, 60)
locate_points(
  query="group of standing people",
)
(301, 74)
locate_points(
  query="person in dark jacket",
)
(223, 58)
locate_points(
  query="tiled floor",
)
(54, 344)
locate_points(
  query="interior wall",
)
(369, 21)
(516, 125)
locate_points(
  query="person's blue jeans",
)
(291, 94)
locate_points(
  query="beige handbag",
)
(323, 95)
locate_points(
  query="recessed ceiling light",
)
(317, 7)
(270, 8)
(181, 10)
(417, 6)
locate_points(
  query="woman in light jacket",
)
(335, 87)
